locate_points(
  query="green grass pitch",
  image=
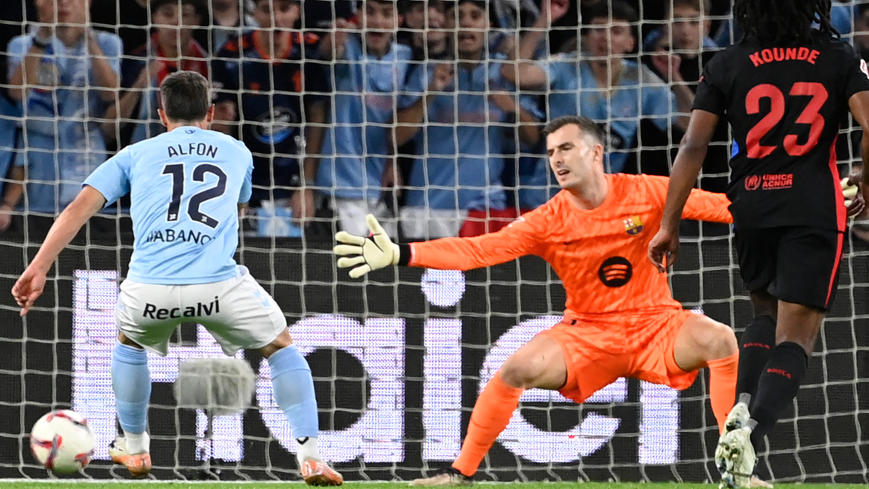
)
(378, 485)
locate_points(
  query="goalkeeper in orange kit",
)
(620, 319)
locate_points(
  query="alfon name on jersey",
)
(183, 235)
(199, 149)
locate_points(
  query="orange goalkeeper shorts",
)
(599, 351)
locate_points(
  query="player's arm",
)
(31, 283)
(859, 104)
(524, 72)
(409, 120)
(109, 182)
(707, 206)
(686, 168)
(378, 251)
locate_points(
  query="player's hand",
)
(442, 76)
(664, 250)
(668, 65)
(554, 8)
(28, 288)
(366, 254)
(854, 195)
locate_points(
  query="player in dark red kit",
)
(784, 88)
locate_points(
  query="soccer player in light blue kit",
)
(185, 186)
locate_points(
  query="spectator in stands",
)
(468, 113)
(171, 48)
(372, 75)
(130, 23)
(423, 29)
(603, 85)
(64, 74)
(11, 177)
(678, 52)
(266, 79)
(842, 16)
(686, 26)
(229, 18)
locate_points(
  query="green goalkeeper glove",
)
(366, 254)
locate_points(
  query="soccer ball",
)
(62, 441)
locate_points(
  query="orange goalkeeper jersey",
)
(599, 254)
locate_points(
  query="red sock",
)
(722, 386)
(491, 414)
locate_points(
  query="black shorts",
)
(795, 264)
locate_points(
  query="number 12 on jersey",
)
(176, 170)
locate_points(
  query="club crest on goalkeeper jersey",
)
(599, 254)
(185, 187)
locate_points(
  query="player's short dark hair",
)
(615, 10)
(782, 22)
(586, 125)
(186, 96)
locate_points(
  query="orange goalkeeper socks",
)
(491, 414)
(722, 386)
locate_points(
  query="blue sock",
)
(294, 391)
(131, 382)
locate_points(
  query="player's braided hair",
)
(783, 22)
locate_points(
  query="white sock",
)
(137, 442)
(308, 450)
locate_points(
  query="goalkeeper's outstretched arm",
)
(363, 255)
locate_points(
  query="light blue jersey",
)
(10, 113)
(184, 187)
(368, 91)
(62, 135)
(640, 94)
(461, 150)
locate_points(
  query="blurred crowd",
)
(427, 114)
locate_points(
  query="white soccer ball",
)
(62, 441)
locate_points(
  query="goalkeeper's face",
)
(575, 158)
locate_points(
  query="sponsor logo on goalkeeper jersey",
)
(183, 235)
(633, 225)
(615, 271)
(769, 182)
(201, 309)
